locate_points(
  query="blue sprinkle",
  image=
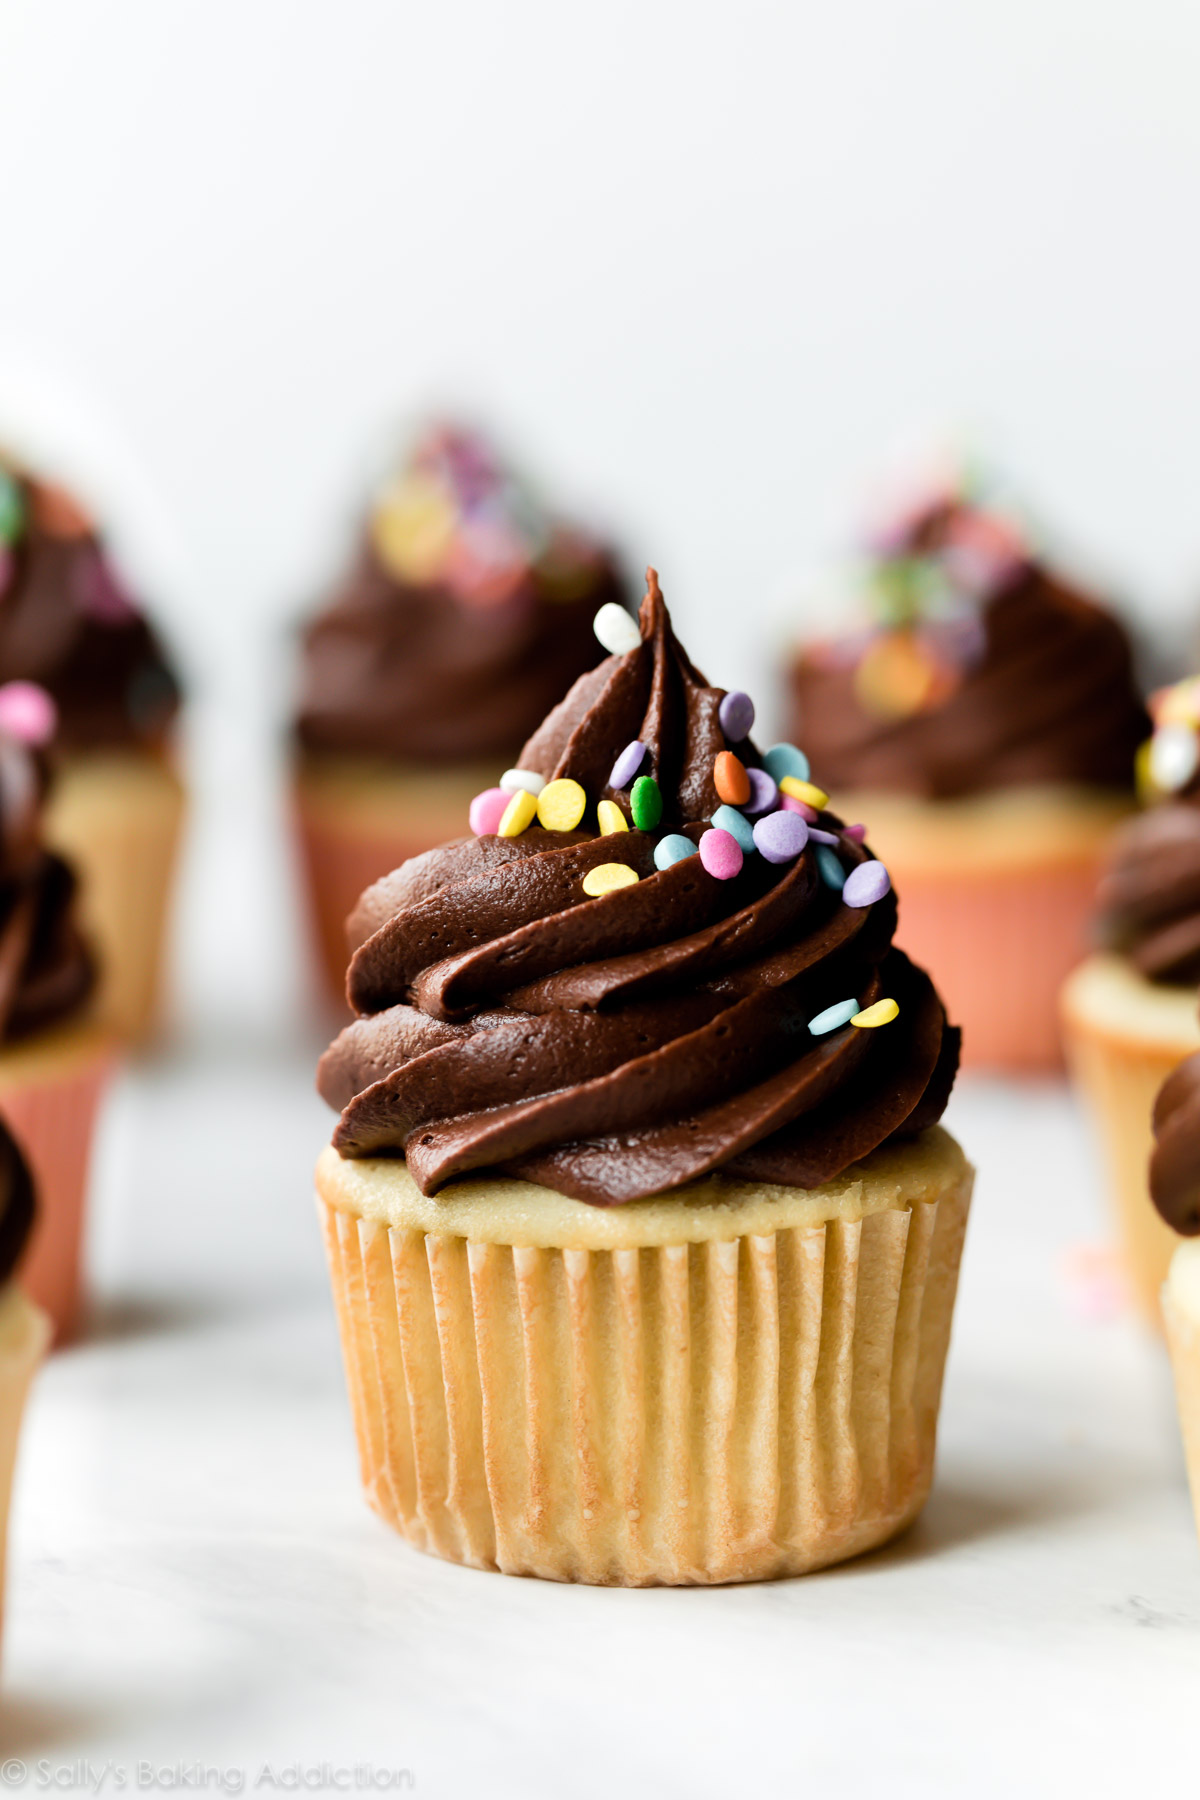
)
(727, 818)
(831, 870)
(840, 1013)
(785, 759)
(672, 849)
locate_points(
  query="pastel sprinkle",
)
(882, 1013)
(529, 779)
(830, 869)
(866, 884)
(721, 854)
(823, 837)
(645, 803)
(804, 790)
(606, 878)
(736, 714)
(727, 818)
(764, 794)
(611, 818)
(519, 814)
(487, 810)
(791, 804)
(840, 1013)
(780, 837)
(730, 779)
(1174, 754)
(617, 630)
(856, 833)
(672, 849)
(561, 803)
(785, 759)
(627, 764)
(28, 712)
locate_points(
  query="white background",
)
(701, 267)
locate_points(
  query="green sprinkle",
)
(12, 513)
(645, 803)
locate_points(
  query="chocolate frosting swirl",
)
(1148, 898)
(1175, 1160)
(16, 1203)
(453, 656)
(617, 1047)
(1029, 682)
(68, 623)
(46, 969)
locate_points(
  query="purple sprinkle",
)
(627, 765)
(823, 837)
(487, 810)
(867, 883)
(856, 833)
(764, 795)
(721, 854)
(780, 837)
(736, 713)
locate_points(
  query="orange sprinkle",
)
(731, 780)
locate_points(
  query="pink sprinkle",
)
(789, 803)
(721, 854)
(857, 832)
(487, 809)
(27, 712)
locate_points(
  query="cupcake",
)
(1175, 1190)
(643, 1233)
(1129, 1010)
(68, 624)
(24, 1328)
(986, 723)
(465, 616)
(55, 1052)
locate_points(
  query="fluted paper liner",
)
(24, 1335)
(729, 1408)
(117, 817)
(1124, 1036)
(50, 1090)
(356, 820)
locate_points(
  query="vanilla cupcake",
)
(24, 1328)
(1129, 1010)
(466, 614)
(986, 723)
(69, 624)
(643, 1234)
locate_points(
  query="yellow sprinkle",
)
(606, 877)
(611, 818)
(560, 804)
(518, 814)
(804, 790)
(882, 1013)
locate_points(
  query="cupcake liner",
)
(354, 825)
(999, 946)
(117, 819)
(1183, 1341)
(1118, 1071)
(724, 1410)
(24, 1336)
(52, 1115)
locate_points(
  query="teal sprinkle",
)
(831, 870)
(728, 818)
(645, 803)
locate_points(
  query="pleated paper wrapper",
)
(691, 1413)
(118, 818)
(24, 1335)
(50, 1104)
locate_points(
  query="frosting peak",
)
(617, 1037)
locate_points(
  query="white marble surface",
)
(195, 1578)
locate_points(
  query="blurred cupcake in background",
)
(465, 615)
(986, 721)
(69, 624)
(24, 1327)
(1175, 1188)
(56, 1052)
(1129, 1010)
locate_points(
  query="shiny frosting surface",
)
(982, 670)
(68, 623)
(619, 1046)
(1175, 1161)
(465, 616)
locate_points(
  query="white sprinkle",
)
(617, 630)
(514, 779)
(1174, 754)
